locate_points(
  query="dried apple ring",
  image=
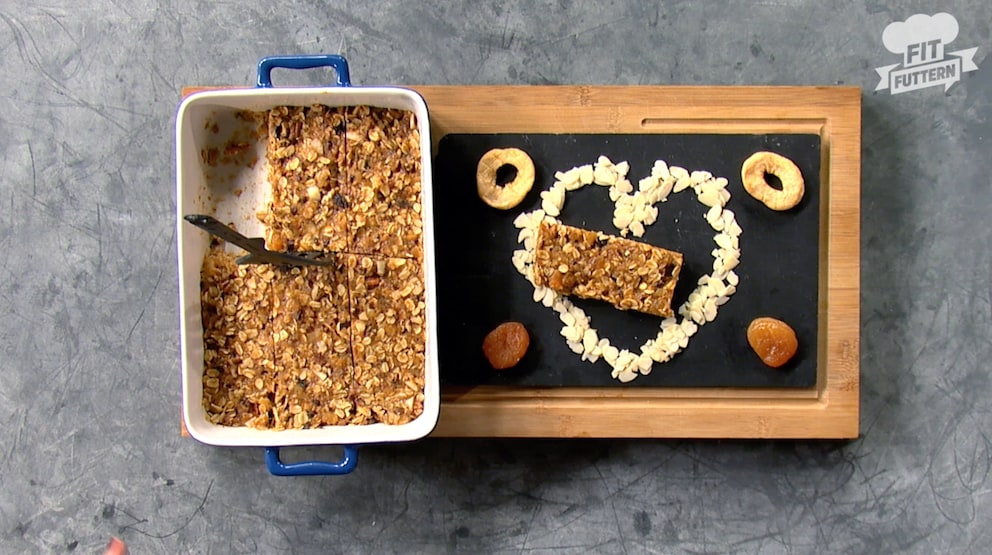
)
(754, 173)
(511, 194)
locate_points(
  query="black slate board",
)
(478, 287)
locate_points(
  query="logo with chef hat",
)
(920, 40)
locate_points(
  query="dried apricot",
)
(506, 345)
(773, 340)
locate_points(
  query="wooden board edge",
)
(844, 247)
(767, 421)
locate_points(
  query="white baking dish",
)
(235, 194)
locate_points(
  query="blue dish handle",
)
(312, 468)
(268, 63)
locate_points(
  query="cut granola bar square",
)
(238, 348)
(384, 169)
(388, 331)
(311, 193)
(311, 326)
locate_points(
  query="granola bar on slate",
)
(630, 275)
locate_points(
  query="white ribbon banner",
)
(945, 72)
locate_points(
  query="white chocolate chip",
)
(700, 176)
(626, 376)
(586, 174)
(709, 197)
(666, 188)
(682, 184)
(589, 340)
(637, 228)
(604, 176)
(660, 170)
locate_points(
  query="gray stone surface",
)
(89, 378)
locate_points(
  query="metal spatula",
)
(257, 253)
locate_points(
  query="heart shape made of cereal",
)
(633, 212)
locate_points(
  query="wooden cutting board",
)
(828, 409)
